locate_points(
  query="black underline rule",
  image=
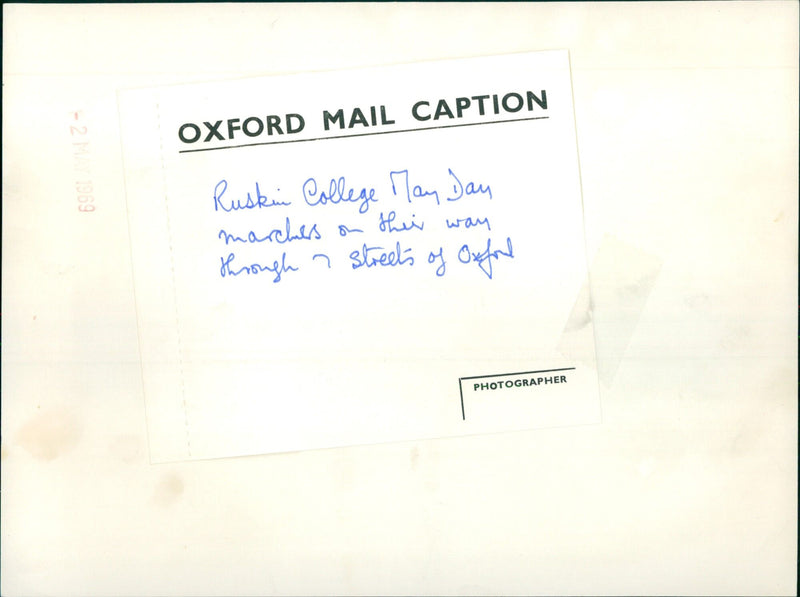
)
(428, 128)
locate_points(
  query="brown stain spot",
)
(48, 435)
(127, 448)
(778, 218)
(578, 321)
(581, 315)
(414, 458)
(168, 490)
(3, 453)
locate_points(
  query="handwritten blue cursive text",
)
(236, 204)
(338, 193)
(277, 235)
(483, 258)
(278, 268)
(377, 256)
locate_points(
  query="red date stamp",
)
(82, 162)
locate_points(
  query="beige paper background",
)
(687, 131)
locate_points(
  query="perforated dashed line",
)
(172, 269)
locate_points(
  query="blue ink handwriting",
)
(277, 268)
(460, 190)
(328, 259)
(338, 193)
(366, 257)
(469, 223)
(277, 235)
(432, 257)
(417, 191)
(484, 258)
(387, 223)
(344, 230)
(400, 179)
(236, 204)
